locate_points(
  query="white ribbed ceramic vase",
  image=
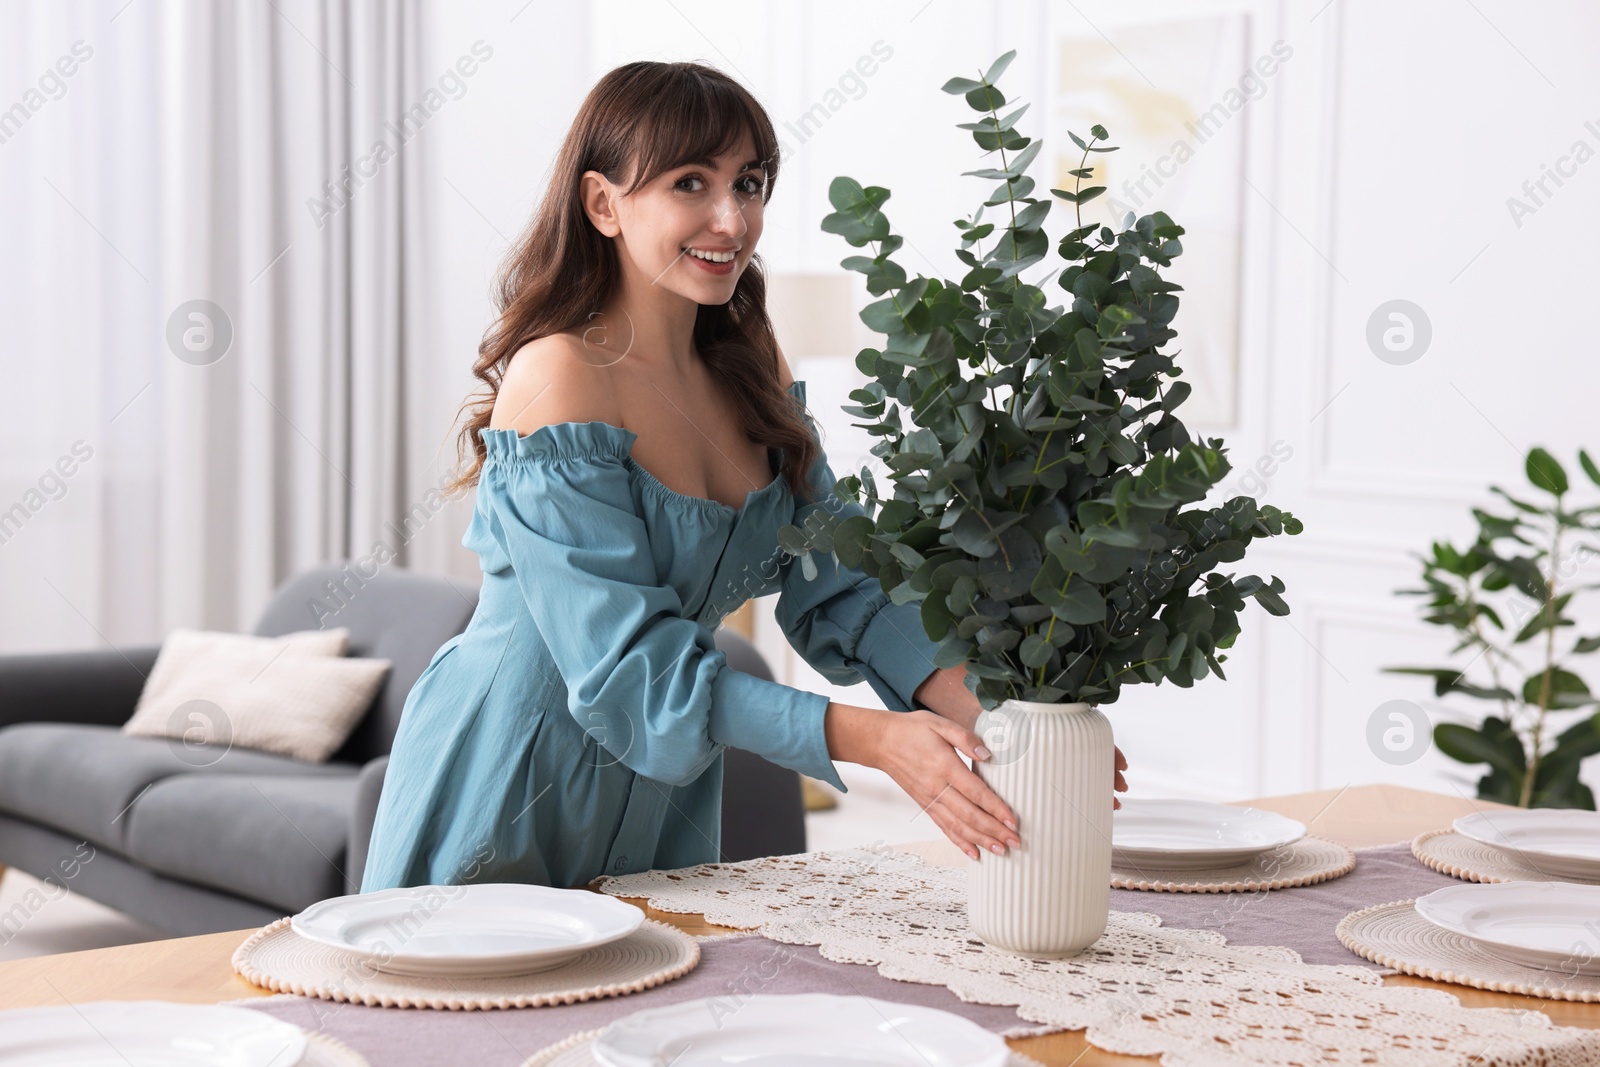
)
(1053, 764)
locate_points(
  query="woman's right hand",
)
(918, 750)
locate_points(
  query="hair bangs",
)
(698, 119)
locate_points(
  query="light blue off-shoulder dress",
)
(575, 728)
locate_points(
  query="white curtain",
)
(251, 169)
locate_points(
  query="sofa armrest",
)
(369, 786)
(99, 686)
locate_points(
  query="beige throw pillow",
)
(183, 648)
(295, 695)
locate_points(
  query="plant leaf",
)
(1544, 472)
(998, 67)
(1466, 745)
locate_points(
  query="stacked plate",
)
(1559, 843)
(148, 1033)
(1193, 835)
(487, 930)
(779, 1030)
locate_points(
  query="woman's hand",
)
(945, 692)
(918, 750)
(1121, 784)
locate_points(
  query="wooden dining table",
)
(197, 970)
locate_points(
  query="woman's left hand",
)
(1121, 783)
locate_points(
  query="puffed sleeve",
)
(559, 506)
(841, 621)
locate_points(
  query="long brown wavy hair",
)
(642, 119)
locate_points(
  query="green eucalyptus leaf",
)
(998, 67)
(1009, 572)
(1082, 603)
(1269, 599)
(985, 98)
(960, 86)
(1036, 651)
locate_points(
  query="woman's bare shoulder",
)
(550, 380)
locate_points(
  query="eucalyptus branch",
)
(1091, 493)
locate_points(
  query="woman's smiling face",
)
(692, 229)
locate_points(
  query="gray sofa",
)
(194, 841)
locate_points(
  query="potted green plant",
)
(1046, 509)
(1507, 598)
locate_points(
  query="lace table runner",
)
(1142, 989)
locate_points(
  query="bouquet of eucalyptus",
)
(1046, 509)
(1506, 597)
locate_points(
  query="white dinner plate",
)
(1558, 842)
(788, 1030)
(147, 1033)
(487, 930)
(1549, 925)
(1190, 835)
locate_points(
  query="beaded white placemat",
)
(1396, 936)
(575, 1051)
(277, 958)
(1306, 862)
(1142, 989)
(1456, 854)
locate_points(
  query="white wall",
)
(1376, 166)
(488, 158)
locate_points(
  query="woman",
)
(641, 442)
